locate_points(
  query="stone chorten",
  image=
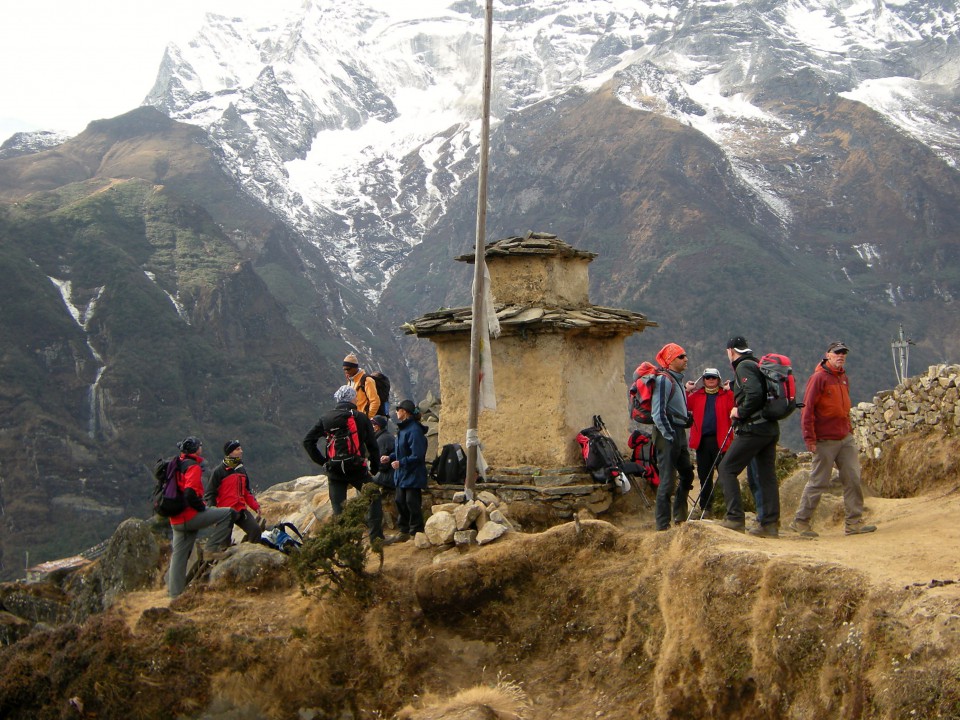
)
(559, 359)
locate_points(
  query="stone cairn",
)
(920, 402)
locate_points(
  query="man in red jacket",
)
(710, 406)
(195, 517)
(825, 423)
(229, 486)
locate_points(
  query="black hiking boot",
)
(770, 530)
(739, 526)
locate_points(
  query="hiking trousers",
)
(673, 462)
(743, 449)
(185, 536)
(409, 510)
(337, 486)
(707, 452)
(845, 455)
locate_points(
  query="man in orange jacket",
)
(825, 423)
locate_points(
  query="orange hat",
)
(668, 353)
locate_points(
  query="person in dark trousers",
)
(668, 406)
(194, 518)
(757, 438)
(828, 434)
(347, 427)
(386, 445)
(710, 407)
(229, 486)
(409, 462)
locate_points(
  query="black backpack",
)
(383, 390)
(343, 442)
(450, 467)
(600, 455)
(167, 498)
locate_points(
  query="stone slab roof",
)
(514, 319)
(535, 243)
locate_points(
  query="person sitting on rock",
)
(229, 486)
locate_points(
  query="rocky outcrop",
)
(922, 402)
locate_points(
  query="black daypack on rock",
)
(167, 498)
(450, 467)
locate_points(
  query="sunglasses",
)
(681, 357)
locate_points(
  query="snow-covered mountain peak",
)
(358, 120)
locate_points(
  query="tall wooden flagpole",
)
(479, 316)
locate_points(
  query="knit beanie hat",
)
(345, 393)
(230, 446)
(350, 361)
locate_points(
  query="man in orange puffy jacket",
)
(229, 486)
(710, 406)
(195, 517)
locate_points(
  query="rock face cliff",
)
(141, 305)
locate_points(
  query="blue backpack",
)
(278, 538)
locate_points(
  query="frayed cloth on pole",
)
(489, 326)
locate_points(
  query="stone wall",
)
(921, 402)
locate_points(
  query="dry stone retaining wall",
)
(920, 402)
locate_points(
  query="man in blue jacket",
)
(409, 462)
(668, 406)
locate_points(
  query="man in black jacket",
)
(350, 448)
(755, 437)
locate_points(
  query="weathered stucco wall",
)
(540, 280)
(549, 387)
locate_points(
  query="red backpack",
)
(781, 387)
(343, 442)
(641, 392)
(645, 456)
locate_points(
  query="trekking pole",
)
(713, 486)
(599, 425)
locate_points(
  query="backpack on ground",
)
(781, 388)
(343, 443)
(167, 498)
(278, 538)
(641, 392)
(644, 456)
(600, 456)
(383, 391)
(450, 466)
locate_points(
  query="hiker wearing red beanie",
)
(670, 422)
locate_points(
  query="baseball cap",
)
(712, 373)
(837, 346)
(738, 344)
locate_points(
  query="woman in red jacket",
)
(195, 517)
(229, 487)
(710, 406)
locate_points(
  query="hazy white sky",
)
(64, 63)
